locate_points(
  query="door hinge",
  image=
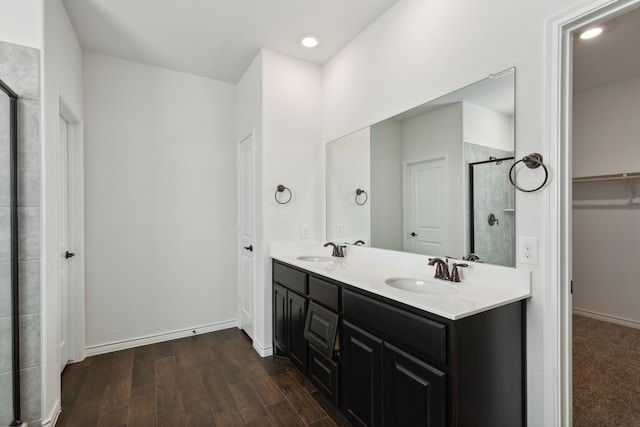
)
(572, 286)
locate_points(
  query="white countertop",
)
(482, 288)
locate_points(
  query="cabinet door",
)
(362, 376)
(414, 392)
(323, 373)
(279, 319)
(297, 313)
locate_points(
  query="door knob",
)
(249, 248)
(68, 254)
(413, 234)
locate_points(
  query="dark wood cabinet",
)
(384, 385)
(321, 328)
(396, 365)
(289, 314)
(362, 376)
(324, 374)
(414, 391)
(297, 314)
(280, 319)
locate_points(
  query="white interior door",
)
(426, 208)
(63, 243)
(246, 183)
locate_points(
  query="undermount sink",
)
(421, 286)
(315, 258)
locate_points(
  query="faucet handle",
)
(455, 275)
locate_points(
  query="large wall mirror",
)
(431, 180)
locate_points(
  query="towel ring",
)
(280, 189)
(532, 161)
(359, 192)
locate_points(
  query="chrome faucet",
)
(442, 270)
(339, 251)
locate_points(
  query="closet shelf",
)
(602, 178)
(629, 180)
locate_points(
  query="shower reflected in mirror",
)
(491, 206)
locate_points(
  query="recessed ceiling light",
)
(309, 40)
(591, 33)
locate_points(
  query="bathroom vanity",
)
(388, 356)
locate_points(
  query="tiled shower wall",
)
(20, 69)
(493, 194)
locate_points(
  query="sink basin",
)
(421, 286)
(315, 258)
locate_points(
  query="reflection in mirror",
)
(436, 177)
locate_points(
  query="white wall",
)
(432, 135)
(386, 186)
(62, 77)
(21, 22)
(249, 120)
(606, 129)
(160, 181)
(292, 156)
(348, 168)
(292, 149)
(487, 127)
(280, 98)
(605, 141)
(411, 55)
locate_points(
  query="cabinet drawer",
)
(323, 373)
(324, 292)
(423, 336)
(291, 278)
(320, 328)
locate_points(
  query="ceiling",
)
(611, 57)
(218, 39)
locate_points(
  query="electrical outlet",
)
(528, 250)
(339, 230)
(304, 231)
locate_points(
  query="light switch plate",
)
(304, 231)
(339, 230)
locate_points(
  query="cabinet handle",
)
(249, 248)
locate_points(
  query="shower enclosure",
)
(9, 350)
(492, 211)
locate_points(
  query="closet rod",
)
(619, 177)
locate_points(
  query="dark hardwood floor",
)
(214, 379)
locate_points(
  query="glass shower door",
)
(9, 377)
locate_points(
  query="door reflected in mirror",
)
(433, 176)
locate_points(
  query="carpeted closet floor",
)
(606, 374)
